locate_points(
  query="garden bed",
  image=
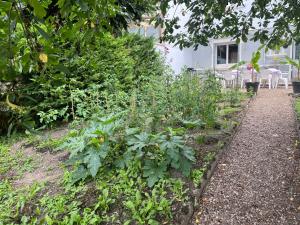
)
(170, 201)
(295, 189)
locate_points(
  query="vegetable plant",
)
(92, 147)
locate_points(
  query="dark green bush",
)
(88, 79)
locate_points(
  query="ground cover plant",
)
(297, 107)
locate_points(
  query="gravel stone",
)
(252, 182)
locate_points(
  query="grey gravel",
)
(252, 182)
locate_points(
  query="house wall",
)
(204, 58)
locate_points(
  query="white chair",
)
(283, 76)
(275, 76)
(265, 75)
(229, 78)
(246, 75)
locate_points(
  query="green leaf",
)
(38, 9)
(60, 3)
(94, 162)
(80, 173)
(42, 32)
(130, 205)
(5, 5)
(83, 5)
(237, 65)
(185, 166)
(124, 160)
(62, 68)
(154, 171)
(189, 154)
(291, 62)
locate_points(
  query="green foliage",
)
(14, 164)
(197, 175)
(233, 97)
(93, 147)
(100, 146)
(158, 152)
(184, 100)
(95, 203)
(99, 78)
(228, 111)
(210, 96)
(28, 206)
(145, 209)
(297, 107)
(200, 139)
(48, 27)
(14, 203)
(13, 117)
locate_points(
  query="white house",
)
(220, 54)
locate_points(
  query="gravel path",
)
(252, 182)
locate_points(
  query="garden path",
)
(253, 181)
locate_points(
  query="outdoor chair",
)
(246, 75)
(278, 76)
(283, 76)
(265, 75)
(229, 78)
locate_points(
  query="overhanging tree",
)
(275, 23)
(34, 32)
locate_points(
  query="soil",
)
(254, 182)
(47, 165)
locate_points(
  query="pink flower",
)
(249, 67)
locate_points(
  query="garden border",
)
(212, 167)
(295, 183)
(297, 122)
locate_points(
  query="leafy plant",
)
(210, 93)
(233, 97)
(91, 148)
(197, 175)
(158, 152)
(145, 209)
(297, 107)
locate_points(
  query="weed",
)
(200, 139)
(297, 107)
(197, 175)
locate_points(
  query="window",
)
(221, 54)
(233, 53)
(227, 54)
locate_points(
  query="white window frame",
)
(227, 53)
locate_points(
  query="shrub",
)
(86, 80)
(103, 145)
